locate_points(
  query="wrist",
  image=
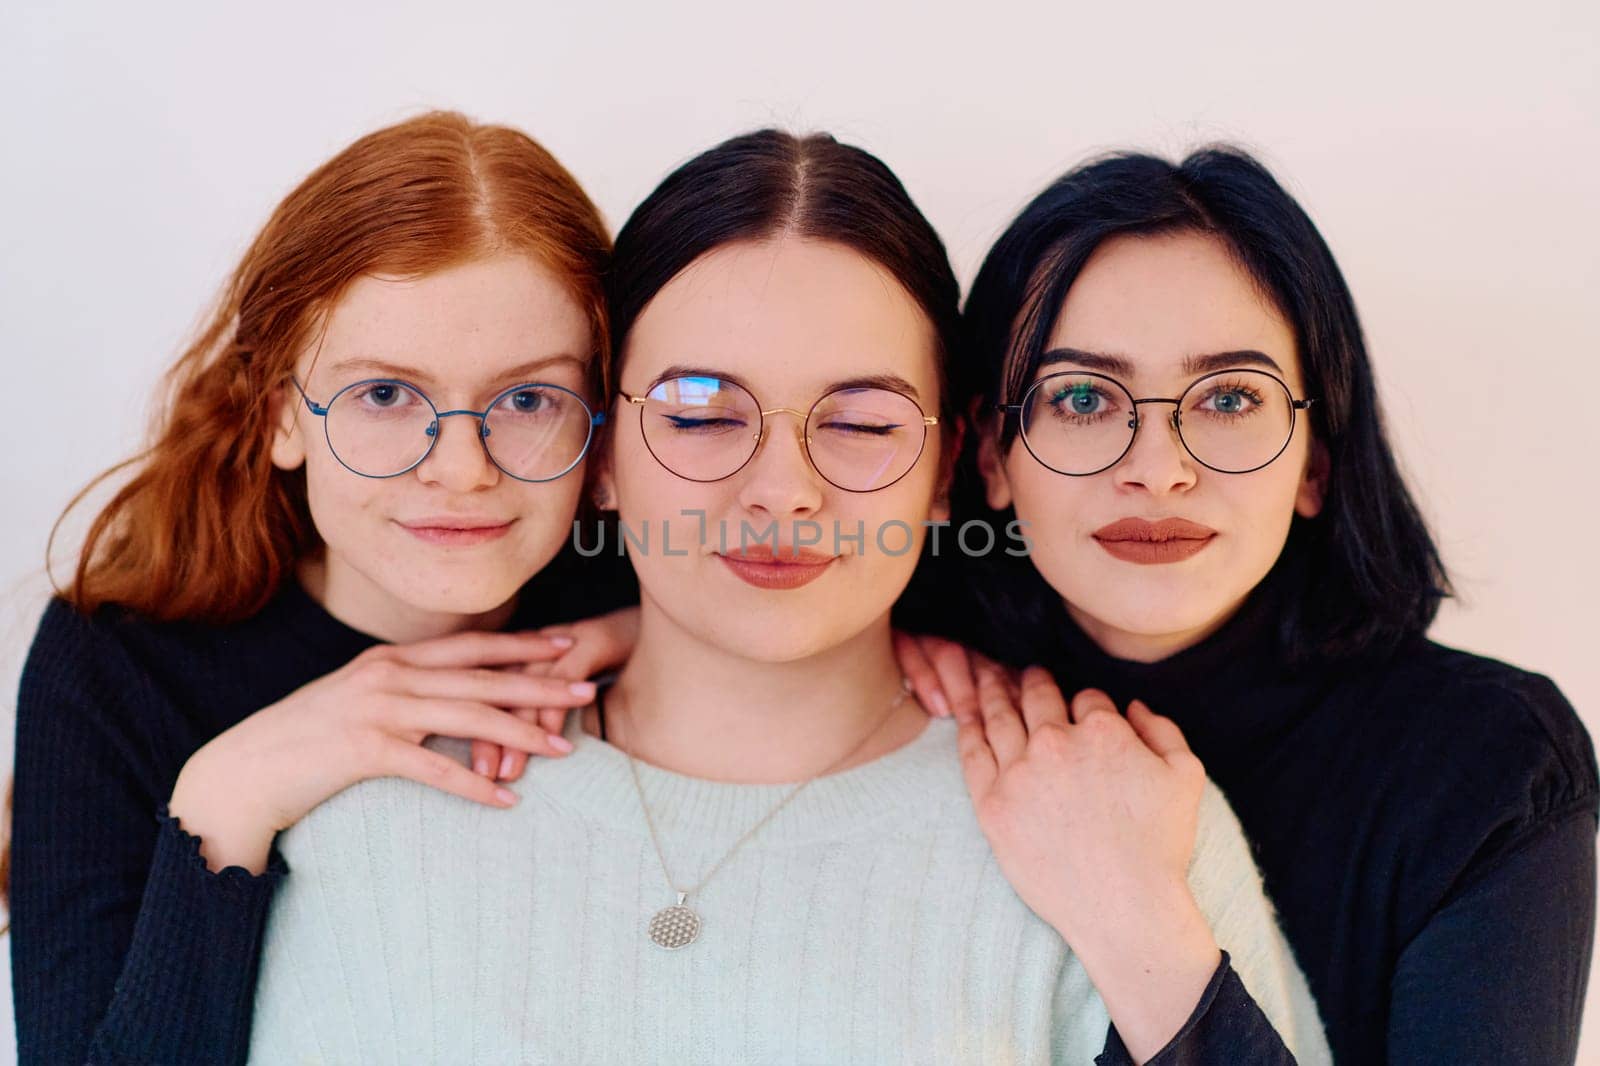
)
(1159, 932)
(1151, 965)
(228, 836)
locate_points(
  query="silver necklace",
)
(677, 925)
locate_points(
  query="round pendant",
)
(675, 927)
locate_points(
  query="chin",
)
(774, 641)
(459, 599)
(1153, 614)
(776, 636)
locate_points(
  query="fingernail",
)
(505, 765)
(1093, 698)
(562, 642)
(481, 765)
(583, 688)
(940, 706)
(506, 796)
(560, 743)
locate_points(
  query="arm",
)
(1499, 972)
(1226, 1027)
(126, 947)
(1257, 1009)
(1108, 829)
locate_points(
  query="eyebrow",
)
(1120, 366)
(517, 374)
(866, 381)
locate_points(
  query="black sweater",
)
(125, 947)
(1425, 822)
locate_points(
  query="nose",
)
(458, 461)
(1157, 462)
(779, 481)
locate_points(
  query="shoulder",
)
(112, 644)
(1224, 871)
(116, 663)
(1505, 736)
(71, 649)
(84, 701)
(1458, 761)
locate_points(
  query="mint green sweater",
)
(868, 922)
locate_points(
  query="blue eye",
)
(528, 401)
(1231, 400)
(1079, 398)
(383, 395)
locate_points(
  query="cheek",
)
(641, 485)
(338, 498)
(1053, 508)
(1261, 507)
(546, 512)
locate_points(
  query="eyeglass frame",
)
(1175, 420)
(596, 418)
(761, 430)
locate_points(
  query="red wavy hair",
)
(207, 528)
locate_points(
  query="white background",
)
(1448, 152)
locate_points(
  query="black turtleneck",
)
(1425, 822)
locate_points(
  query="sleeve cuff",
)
(1116, 1053)
(178, 849)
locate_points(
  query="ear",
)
(288, 442)
(1314, 483)
(602, 488)
(997, 487)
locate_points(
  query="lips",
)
(455, 522)
(457, 529)
(787, 567)
(1168, 540)
(793, 555)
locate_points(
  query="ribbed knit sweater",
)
(867, 922)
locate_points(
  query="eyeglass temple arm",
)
(312, 405)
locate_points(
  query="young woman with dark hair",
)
(375, 443)
(761, 848)
(1172, 391)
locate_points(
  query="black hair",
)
(769, 182)
(763, 184)
(1364, 573)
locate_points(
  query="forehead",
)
(1156, 300)
(787, 316)
(475, 318)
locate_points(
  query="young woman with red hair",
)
(302, 577)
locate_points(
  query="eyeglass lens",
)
(1081, 423)
(532, 432)
(706, 429)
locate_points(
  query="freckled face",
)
(395, 549)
